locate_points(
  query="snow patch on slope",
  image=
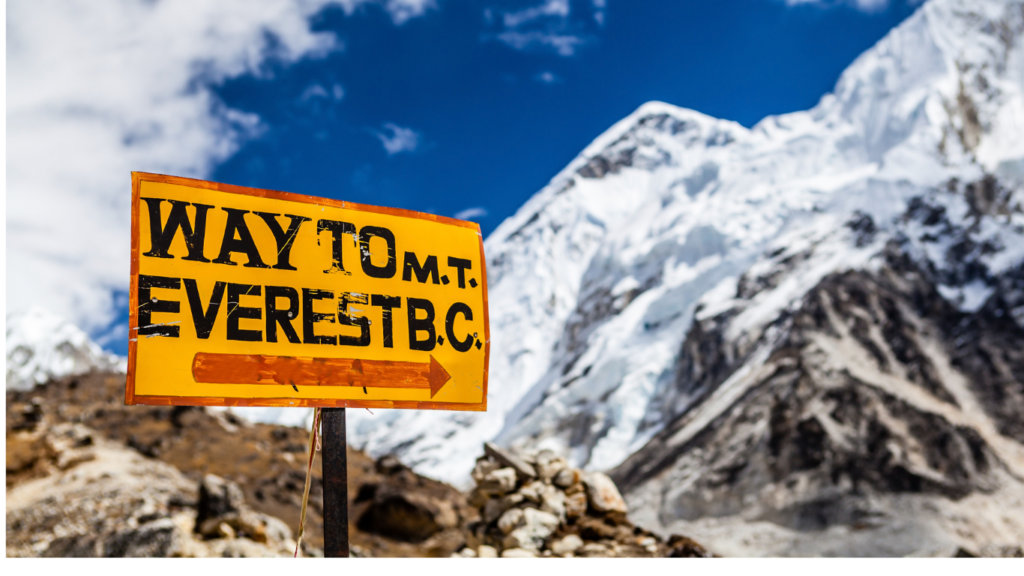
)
(42, 346)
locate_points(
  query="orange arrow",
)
(211, 368)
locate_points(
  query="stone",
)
(484, 466)
(532, 531)
(602, 494)
(532, 491)
(523, 469)
(485, 551)
(495, 507)
(510, 520)
(407, 516)
(683, 547)
(73, 457)
(549, 465)
(476, 498)
(390, 465)
(217, 497)
(593, 550)
(66, 437)
(224, 530)
(261, 528)
(499, 482)
(575, 505)
(156, 539)
(566, 477)
(567, 545)
(517, 553)
(552, 500)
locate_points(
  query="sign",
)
(247, 297)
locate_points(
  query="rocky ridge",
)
(101, 498)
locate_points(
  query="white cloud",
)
(400, 11)
(397, 139)
(547, 77)
(316, 91)
(471, 213)
(96, 90)
(868, 6)
(599, 6)
(551, 8)
(403, 10)
(563, 44)
(545, 26)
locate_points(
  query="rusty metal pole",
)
(334, 460)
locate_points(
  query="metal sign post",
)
(334, 461)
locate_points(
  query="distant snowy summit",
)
(603, 279)
(42, 346)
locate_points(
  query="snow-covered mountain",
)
(671, 217)
(800, 338)
(42, 346)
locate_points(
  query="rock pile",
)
(537, 505)
(93, 497)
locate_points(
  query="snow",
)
(42, 346)
(595, 280)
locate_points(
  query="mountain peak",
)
(42, 346)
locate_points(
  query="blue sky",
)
(453, 107)
(444, 114)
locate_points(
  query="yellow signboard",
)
(246, 297)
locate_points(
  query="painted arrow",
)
(211, 368)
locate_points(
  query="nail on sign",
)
(246, 297)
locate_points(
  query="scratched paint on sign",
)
(247, 297)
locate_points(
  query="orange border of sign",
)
(133, 303)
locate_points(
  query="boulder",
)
(158, 539)
(523, 468)
(217, 498)
(683, 547)
(566, 477)
(602, 494)
(575, 505)
(548, 465)
(484, 466)
(485, 551)
(408, 516)
(510, 520)
(567, 545)
(495, 507)
(532, 531)
(552, 500)
(498, 482)
(532, 491)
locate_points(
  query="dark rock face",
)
(408, 517)
(217, 498)
(874, 393)
(406, 507)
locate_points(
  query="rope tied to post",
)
(314, 447)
